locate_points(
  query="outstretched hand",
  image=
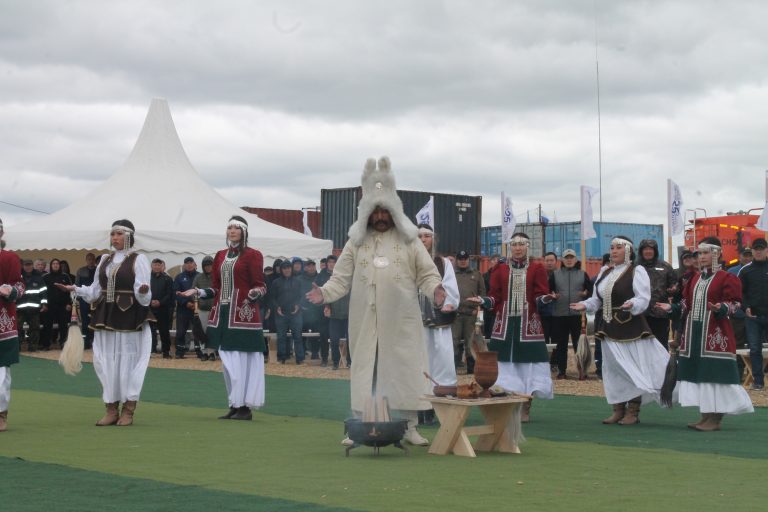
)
(439, 296)
(6, 290)
(714, 307)
(577, 306)
(65, 287)
(315, 296)
(187, 293)
(663, 306)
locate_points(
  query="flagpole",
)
(669, 220)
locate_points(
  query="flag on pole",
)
(305, 221)
(762, 222)
(507, 219)
(427, 213)
(674, 209)
(587, 227)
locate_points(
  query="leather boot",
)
(632, 414)
(111, 416)
(704, 418)
(3, 421)
(712, 423)
(242, 413)
(618, 414)
(525, 417)
(126, 415)
(232, 411)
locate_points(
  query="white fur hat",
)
(379, 190)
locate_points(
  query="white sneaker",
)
(412, 436)
(347, 442)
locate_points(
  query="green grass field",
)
(178, 456)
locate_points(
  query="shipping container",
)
(557, 237)
(291, 219)
(457, 217)
(567, 235)
(490, 239)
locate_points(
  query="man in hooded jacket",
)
(663, 284)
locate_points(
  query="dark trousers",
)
(319, 345)
(562, 328)
(56, 315)
(338, 328)
(183, 323)
(757, 328)
(659, 328)
(85, 321)
(162, 326)
(283, 323)
(32, 317)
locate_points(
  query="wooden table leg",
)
(451, 437)
(749, 378)
(498, 416)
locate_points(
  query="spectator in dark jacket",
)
(312, 317)
(569, 284)
(754, 289)
(84, 277)
(287, 293)
(185, 306)
(338, 319)
(31, 304)
(663, 284)
(161, 304)
(59, 306)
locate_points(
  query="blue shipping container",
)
(558, 237)
(567, 235)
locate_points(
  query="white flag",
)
(507, 219)
(427, 213)
(762, 222)
(305, 221)
(674, 209)
(587, 227)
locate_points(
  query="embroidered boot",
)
(704, 418)
(126, 415)
(712, 424)
(525, 417)
(618, 414)
(3, 421)
(111, 416)
(632, 414)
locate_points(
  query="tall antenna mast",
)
(599, 128)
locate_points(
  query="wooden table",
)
(453, 435)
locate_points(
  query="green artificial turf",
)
(289, 456)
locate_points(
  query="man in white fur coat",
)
(384, 264)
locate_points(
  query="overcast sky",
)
(275, 100)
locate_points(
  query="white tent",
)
(175, 212)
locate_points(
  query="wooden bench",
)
(749, 377)
(452, 437)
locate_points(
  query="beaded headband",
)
(119, 227)
(240, 224)
(426, 231)
(520, 239)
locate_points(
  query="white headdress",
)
(379, 190)
(627, 248)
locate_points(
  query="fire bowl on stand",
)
(375, 433)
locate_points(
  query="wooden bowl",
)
(444, 391)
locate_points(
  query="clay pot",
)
(486, 370)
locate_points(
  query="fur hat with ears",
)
(379, 190)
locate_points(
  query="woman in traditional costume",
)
(707, 375)
(11, 288)
(634, 361)
(119, 298)
(517, 289)
(234, 325)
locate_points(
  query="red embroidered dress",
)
(708, 346)
(518, 334)
(10, 274)
(235, 320)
